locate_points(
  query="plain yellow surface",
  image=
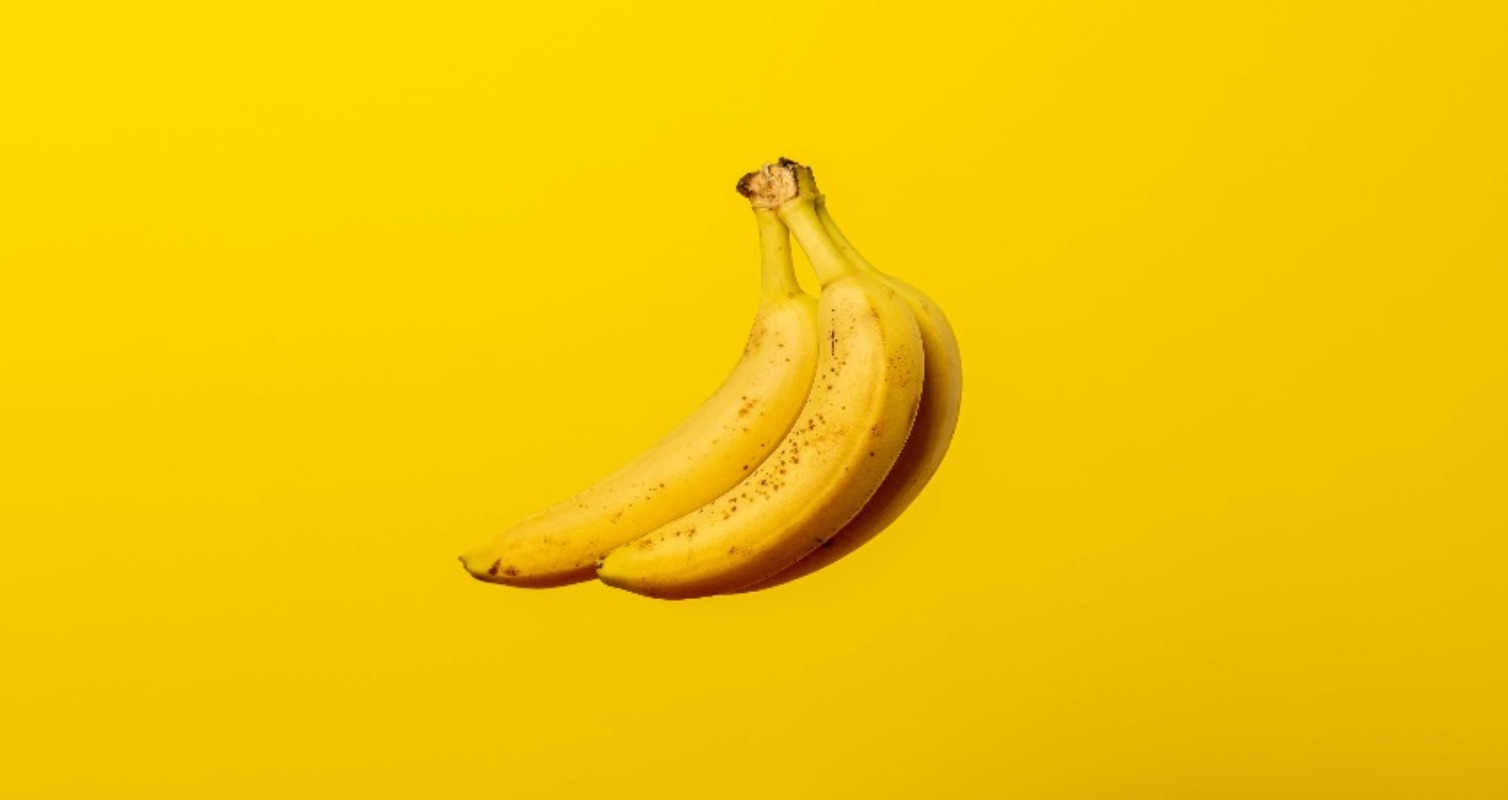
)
(298, 301)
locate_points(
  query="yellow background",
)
(298, 301)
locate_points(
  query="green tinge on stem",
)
(777, 273)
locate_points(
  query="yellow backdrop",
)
(297, 301)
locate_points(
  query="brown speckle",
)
(494, 568)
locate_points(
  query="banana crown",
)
(833, 420)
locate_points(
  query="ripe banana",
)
(721, 443)
(936, 419)
(851, 430)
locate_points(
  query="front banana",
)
(722, 442)
(936, 419)
(848, 435)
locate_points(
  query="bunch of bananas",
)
(833, 421)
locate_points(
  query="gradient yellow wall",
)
(299, 300)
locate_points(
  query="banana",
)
(936, 419)
(718, 445)
(851, 430)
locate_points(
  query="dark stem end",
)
(776, 184)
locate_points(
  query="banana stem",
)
(844, 246)
(789, 189)
(828, 261)
(777, 273)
